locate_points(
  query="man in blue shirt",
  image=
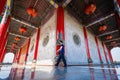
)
(61, 52)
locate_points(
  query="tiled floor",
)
(57, 73)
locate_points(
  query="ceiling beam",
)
(9, 46)
(66, 3)
(53, 3)
(18, 35)
(23, 22)
(101, 19)
(112, 40)
(113, 44)
(110, 32)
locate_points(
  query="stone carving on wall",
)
(45, 41)
(76, 39)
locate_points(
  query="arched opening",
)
(116, 54)
(116, 58)
(8, 58)
(5, 69)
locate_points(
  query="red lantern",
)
(32, 12)
(90, 9)
(103, 28)
(17, 38)
(109, 37)
(113, 42)
(29, 10)
(14, 45)
(22, 29)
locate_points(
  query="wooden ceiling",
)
(104, 14)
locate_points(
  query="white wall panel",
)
(102, 52)
(93, 48)
(31, 49)
(107, 54)
(75, 54)
(47, 43)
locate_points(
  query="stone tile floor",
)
(59, 73)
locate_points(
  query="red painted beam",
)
(98, 49)
(87, 45)
(2, 5)
(37, 44)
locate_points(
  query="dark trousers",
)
(61, 56)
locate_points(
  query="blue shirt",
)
(62, 49)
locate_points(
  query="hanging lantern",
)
(32, 12)
(90, 9)
(109, 37)
(22, 29)
(103, 28)
(113, 42)
(14, 45)
(17, 38)
(29, 10)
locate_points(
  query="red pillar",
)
(104, 52)
(98, 49)
(19, 54)
(87, 45)
(32, 74)
(2, 5)
(110, 56)
(2, 53)
(16, 56)
(37, 44)
(118, 2)
(3, 32)
(60, 25)
(27, 50)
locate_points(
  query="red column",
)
(32, 74)
(60, 25)
(3, 32)
(98, 49)
(104, 52)
(110, 56)
(2, 5)
(3, 55)
(2, 51)
(19, 54)
(27, 50)
(37, 44)
(87, 45)
(118, 2)
(16, 56)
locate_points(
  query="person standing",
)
(61, 52)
